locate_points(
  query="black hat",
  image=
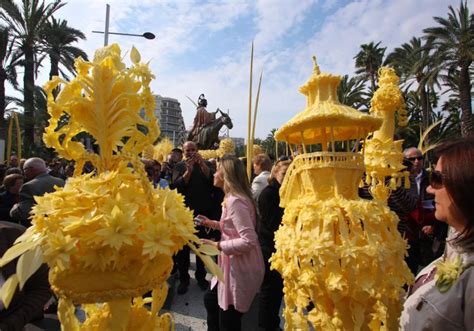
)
(202, 102)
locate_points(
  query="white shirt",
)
(259, 183)
(418, 181)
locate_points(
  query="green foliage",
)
(57, 38)
(453, 39)
(26, 23)
(368, 61)
(352, 92)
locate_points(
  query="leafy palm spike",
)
(421, 145)
(105, 100)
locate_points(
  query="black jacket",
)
(198, 191)
(27, 304)
(270, 216)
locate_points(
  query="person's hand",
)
(204, 220)
(427, 229)
(198, 159)
(190, 162)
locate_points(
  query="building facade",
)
(238, 142)
(168, 112)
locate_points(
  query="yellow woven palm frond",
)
(162, 150)
(106, 99)
(147, 153)
(421, 145)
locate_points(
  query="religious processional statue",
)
(205, 130)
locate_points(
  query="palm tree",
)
(26, 24)
(368, 61)
(7, 70)
(454, 40)
(57, 38)
(415, 62)
(351, 92)
(452, 82)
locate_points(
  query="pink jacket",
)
(241, 258)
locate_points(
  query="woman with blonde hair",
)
(271, 214)
(241, 257)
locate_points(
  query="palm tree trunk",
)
(424, 109)
(372, 81)
(467, 125)
(29, 83)
(3, 78)
(54, 71)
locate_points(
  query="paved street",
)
(189, 312)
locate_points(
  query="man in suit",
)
(27, 304)
(38, 182)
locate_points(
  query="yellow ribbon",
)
(13, 118)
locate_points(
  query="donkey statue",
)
(208, 136)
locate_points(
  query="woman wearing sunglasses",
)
(241, 258)
(442, 297)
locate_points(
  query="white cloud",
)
(275, 18)
(180, 25)
(392, 22)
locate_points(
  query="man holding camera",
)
(193, 178)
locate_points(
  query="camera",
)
(197, 220)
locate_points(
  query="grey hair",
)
(409, 149)
(36, 163)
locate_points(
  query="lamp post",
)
(106, 32)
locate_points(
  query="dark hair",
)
(10, 180)
(458, 178)
(13, 170)
(284, 158)
(177, 150)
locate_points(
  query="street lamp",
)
(147, 35)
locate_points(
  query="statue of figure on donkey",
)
(205, 130)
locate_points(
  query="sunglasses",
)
(419, 158)
(436, 179)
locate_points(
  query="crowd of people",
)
(239, 217)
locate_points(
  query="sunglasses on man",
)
(412, 159)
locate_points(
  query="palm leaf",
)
(105, 100)
(421, 145)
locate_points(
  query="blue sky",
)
(204, 46)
